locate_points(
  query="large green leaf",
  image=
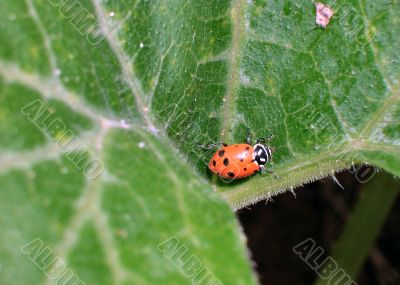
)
(147, 218)
(176, 74)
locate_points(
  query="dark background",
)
(318, 211)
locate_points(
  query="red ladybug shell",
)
(234, 161)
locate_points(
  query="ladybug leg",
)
(263, 169)
(248, 139)
(273, 173)
(210, 146)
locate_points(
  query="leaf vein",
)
(228, 108)
(127, 71)
(43, 32)
(390, 100)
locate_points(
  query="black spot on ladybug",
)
(214, 163)
(236, 145)
(247, 148)
(231, 174)
(241, 160)
(245, 169)
(221, 152)
(226, 161)
(255, 171)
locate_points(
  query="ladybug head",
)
(262, 153)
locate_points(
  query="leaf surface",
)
(148, 217)
(167, 77)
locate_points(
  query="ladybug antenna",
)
(266, 139)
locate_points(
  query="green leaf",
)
(166, 77)
(91, 190)
(331, 97)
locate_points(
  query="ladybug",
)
(240, 160)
